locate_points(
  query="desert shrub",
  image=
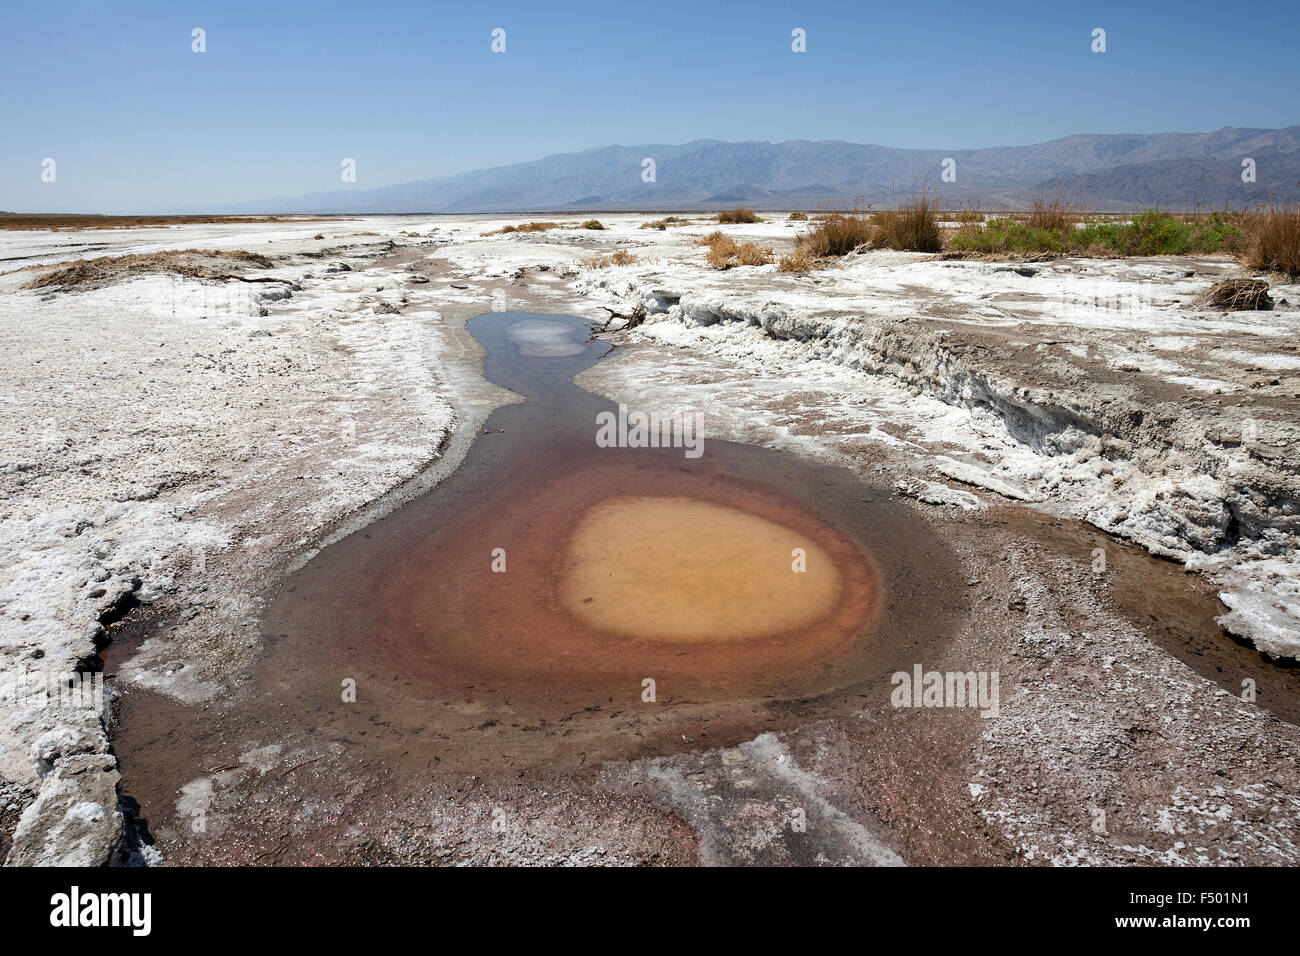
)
(751, 254)
(1149, 233)
(619, 257)
(740, 214)
(724, 252)
(1154, 233)
(913, 227)
(796, 262)
(1271, 239)
(592, 224)
(663, 223)
(797, 217)
(1047, 228)
(721, 253)
(1050, 229)
(836, 234)
(1005, 234)
(1220, 231)
(525, 227)
(1055, 216)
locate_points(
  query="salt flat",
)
(180, 443)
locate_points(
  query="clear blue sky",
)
(136, 122)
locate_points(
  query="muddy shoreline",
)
(542, 701)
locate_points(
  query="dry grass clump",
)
(797, 217)
(837, 234)
(525, 227)
(619, 257)
(724, 252)
(717, 239)
(739, 214)
(751, 254)
(664, 223)
(722, 249)
(1239, 295)
(191, 263)
(592, 224)
(796, 262)
(1055, 216)
(967, 216)
(913, 227)
(1272, 239)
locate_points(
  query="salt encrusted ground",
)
(166, 442)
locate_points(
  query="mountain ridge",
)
(1101, 171)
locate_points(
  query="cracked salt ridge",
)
(116, 482)
(1048, 451)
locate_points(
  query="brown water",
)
(620, 565)
(685, 571)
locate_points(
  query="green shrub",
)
(1005, 234)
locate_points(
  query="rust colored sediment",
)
(446, 616)
(404, 656)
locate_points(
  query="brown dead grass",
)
(913, 227)
(1055, 216)
(619, 257)
(836, 234)
(1238, 295)
(525, 227)
(664, 223)
(191, 263)
(796, 262)
(752, 254)
(1272, 239)
(739, 214)
(724, 252)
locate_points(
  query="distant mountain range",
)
(1103, 172)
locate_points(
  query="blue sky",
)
(137, 122)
